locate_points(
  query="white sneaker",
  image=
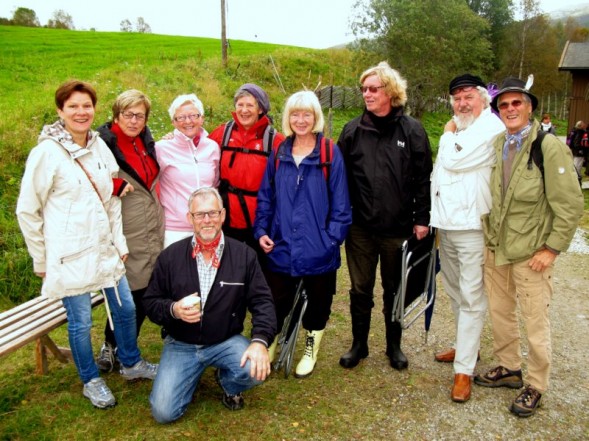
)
(99, 394)
(141, 369)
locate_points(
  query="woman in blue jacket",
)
(302, 218)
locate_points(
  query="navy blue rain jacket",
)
(307, 221)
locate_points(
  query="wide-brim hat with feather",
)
(513, 84)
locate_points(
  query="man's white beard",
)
(464, 121)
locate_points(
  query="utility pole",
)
(223, 35)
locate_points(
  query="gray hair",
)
(204, 193)
(180, 100)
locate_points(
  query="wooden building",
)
(575, 59)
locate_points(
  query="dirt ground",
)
(565, 411)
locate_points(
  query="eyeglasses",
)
(505, 104)
(372, 89)
(200, 215)
(192, 117)
(130, 115)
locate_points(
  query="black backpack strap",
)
(268, 139)
(536, 154)
(227, 133)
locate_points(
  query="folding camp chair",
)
(416, 291)
(287, 339)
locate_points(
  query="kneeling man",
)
(226, 276)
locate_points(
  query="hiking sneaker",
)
(232, 402)
(527, 402)
(500, 376)
(107, 359)
(99, 394)
(141, 369)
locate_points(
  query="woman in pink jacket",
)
(188, 161)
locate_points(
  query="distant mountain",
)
(579, 12)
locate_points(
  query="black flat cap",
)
(466, 80)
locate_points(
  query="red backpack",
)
(325, 155)
(585, 140)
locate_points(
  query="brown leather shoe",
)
(461, 388)
(448, 355)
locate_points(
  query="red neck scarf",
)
(209, 247)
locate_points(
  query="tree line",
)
(62, 20)
(431, 41)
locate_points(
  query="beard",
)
(464, 121)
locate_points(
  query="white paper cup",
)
(191, 302)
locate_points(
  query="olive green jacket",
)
(534, 212)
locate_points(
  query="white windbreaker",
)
(460, 180)
(71, 236)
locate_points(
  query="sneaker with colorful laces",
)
(99, 394)
(500, 377)
(141, 369)
(232, 402)
(527, 402)
(107, 359)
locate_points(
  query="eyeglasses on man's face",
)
(130, 115)
(371, 89)
(505, 104)
(183, 118)
(200, 215)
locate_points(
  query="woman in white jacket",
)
(73, 231)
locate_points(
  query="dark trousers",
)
(246, 235)
(320, 291)
(140, 315)
(364, 249)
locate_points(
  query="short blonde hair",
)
(180, 100)
(131, 98)
(304, 100)
(394, 84)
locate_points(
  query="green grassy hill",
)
(34, 61)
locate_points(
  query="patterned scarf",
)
(517, 139)
(200, 246)
(58, 131)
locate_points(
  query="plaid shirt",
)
(206, 271)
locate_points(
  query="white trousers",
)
(461, 260)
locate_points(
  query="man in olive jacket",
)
(533, 218)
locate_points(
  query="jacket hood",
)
(57, 132)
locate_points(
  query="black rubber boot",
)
(394, 333)
(360, 311)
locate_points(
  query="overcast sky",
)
(307, 23)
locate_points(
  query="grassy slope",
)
(34, 61)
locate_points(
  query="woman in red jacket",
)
(246, 142)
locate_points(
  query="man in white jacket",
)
(460, 195)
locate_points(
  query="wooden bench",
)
(34, 320)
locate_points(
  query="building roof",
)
(575, 56)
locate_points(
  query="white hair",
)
(484, 93)
(180, 100)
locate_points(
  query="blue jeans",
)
(79, 315)
(182, 365)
